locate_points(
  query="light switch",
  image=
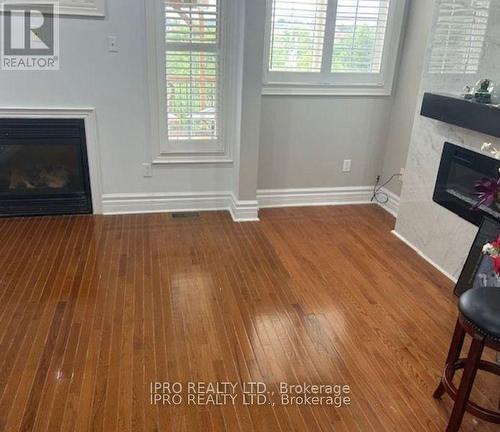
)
(147, 170)
(112, 44)
(347, 165)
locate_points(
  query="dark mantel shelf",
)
(459, 112)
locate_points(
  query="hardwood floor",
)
(94, 309)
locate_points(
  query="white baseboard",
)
(244, 211)
(424, 256)
(163, 203)
(241, 211)
(272, 198)
(392, 205)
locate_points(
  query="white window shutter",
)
(297, 35)
(192, 69)
(360, 32)
(459, 36)
(344, 47)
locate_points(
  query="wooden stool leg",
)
(453, 355)
(470, 371)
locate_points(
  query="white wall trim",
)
(244, 211)
(241, 211)
(82, 7)
(314, 196)
(277, 89)
(424, 256)
(93, 151)
(392, 205)
(95, 8)
(164, 202)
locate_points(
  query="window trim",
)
(89, 8)
(231, 71)
(338, 84)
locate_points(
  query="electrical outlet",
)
(112, 44)
(147, 170)
(402, 174)
(346, 167)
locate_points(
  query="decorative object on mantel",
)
(483, 90)
(468, 93)
(495, 94)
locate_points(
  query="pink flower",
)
(487, 191)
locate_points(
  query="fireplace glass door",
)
(463, 178)
(43, 168)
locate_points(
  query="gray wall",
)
(406, 91)
(304, 140)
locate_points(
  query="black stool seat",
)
(479, 318)
(481, 306)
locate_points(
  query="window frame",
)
(167, 151)
(335, 83)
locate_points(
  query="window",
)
(360, 30)
(459, 36)
(338, 46)
(194, 72)
(296, 45)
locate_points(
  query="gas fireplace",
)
(43, 167)
(468, 184)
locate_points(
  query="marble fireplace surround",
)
(439, 235)
(443, 237)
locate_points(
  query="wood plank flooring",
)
(94, 309)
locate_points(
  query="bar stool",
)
(480, 318)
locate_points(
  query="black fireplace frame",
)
(41, 131)
(469, 158)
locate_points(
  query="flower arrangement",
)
(493, 251)
(488, 191)
(488, 188)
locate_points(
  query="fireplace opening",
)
(466, 184)
(43, 167)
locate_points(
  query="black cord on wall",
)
(379, 196)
